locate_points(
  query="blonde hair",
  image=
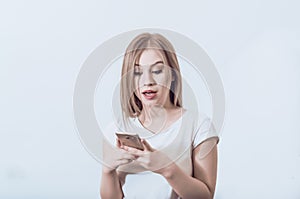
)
(130, 103)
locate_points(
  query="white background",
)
(254, 44)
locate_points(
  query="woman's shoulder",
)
(197, 117)
(203, 127)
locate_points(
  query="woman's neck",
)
(156, 118)
(148, 114)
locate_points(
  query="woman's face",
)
(152, 79)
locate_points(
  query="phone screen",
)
(131, 140)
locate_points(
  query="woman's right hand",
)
(115, 157)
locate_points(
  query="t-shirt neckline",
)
(164, 130)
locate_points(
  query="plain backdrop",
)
(255, 46)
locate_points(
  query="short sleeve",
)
(204, 130)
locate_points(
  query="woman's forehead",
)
(150, 57)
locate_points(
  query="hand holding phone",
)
(130, 139)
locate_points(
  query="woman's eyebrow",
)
(158, 62)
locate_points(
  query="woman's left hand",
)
(150, 158)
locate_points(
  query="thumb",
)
(147, 145)
(119, 145)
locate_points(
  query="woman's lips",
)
(149, 94)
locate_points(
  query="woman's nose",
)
(147, 79)
(149, 84)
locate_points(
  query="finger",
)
(119, 144)
(128, 156)
(147, 146)
(124, 161)
(133, 151)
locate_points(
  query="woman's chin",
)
(151, 103)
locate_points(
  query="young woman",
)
(179, 159)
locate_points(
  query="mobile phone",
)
(130, 139)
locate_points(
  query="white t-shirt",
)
(177, 141)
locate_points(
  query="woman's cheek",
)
(166, 82)
(162, 80)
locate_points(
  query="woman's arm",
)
(111, 187)
(202, 185)
(112, 179)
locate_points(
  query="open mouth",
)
(149, 94)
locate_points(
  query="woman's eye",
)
(157, 71)
(137, 73)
